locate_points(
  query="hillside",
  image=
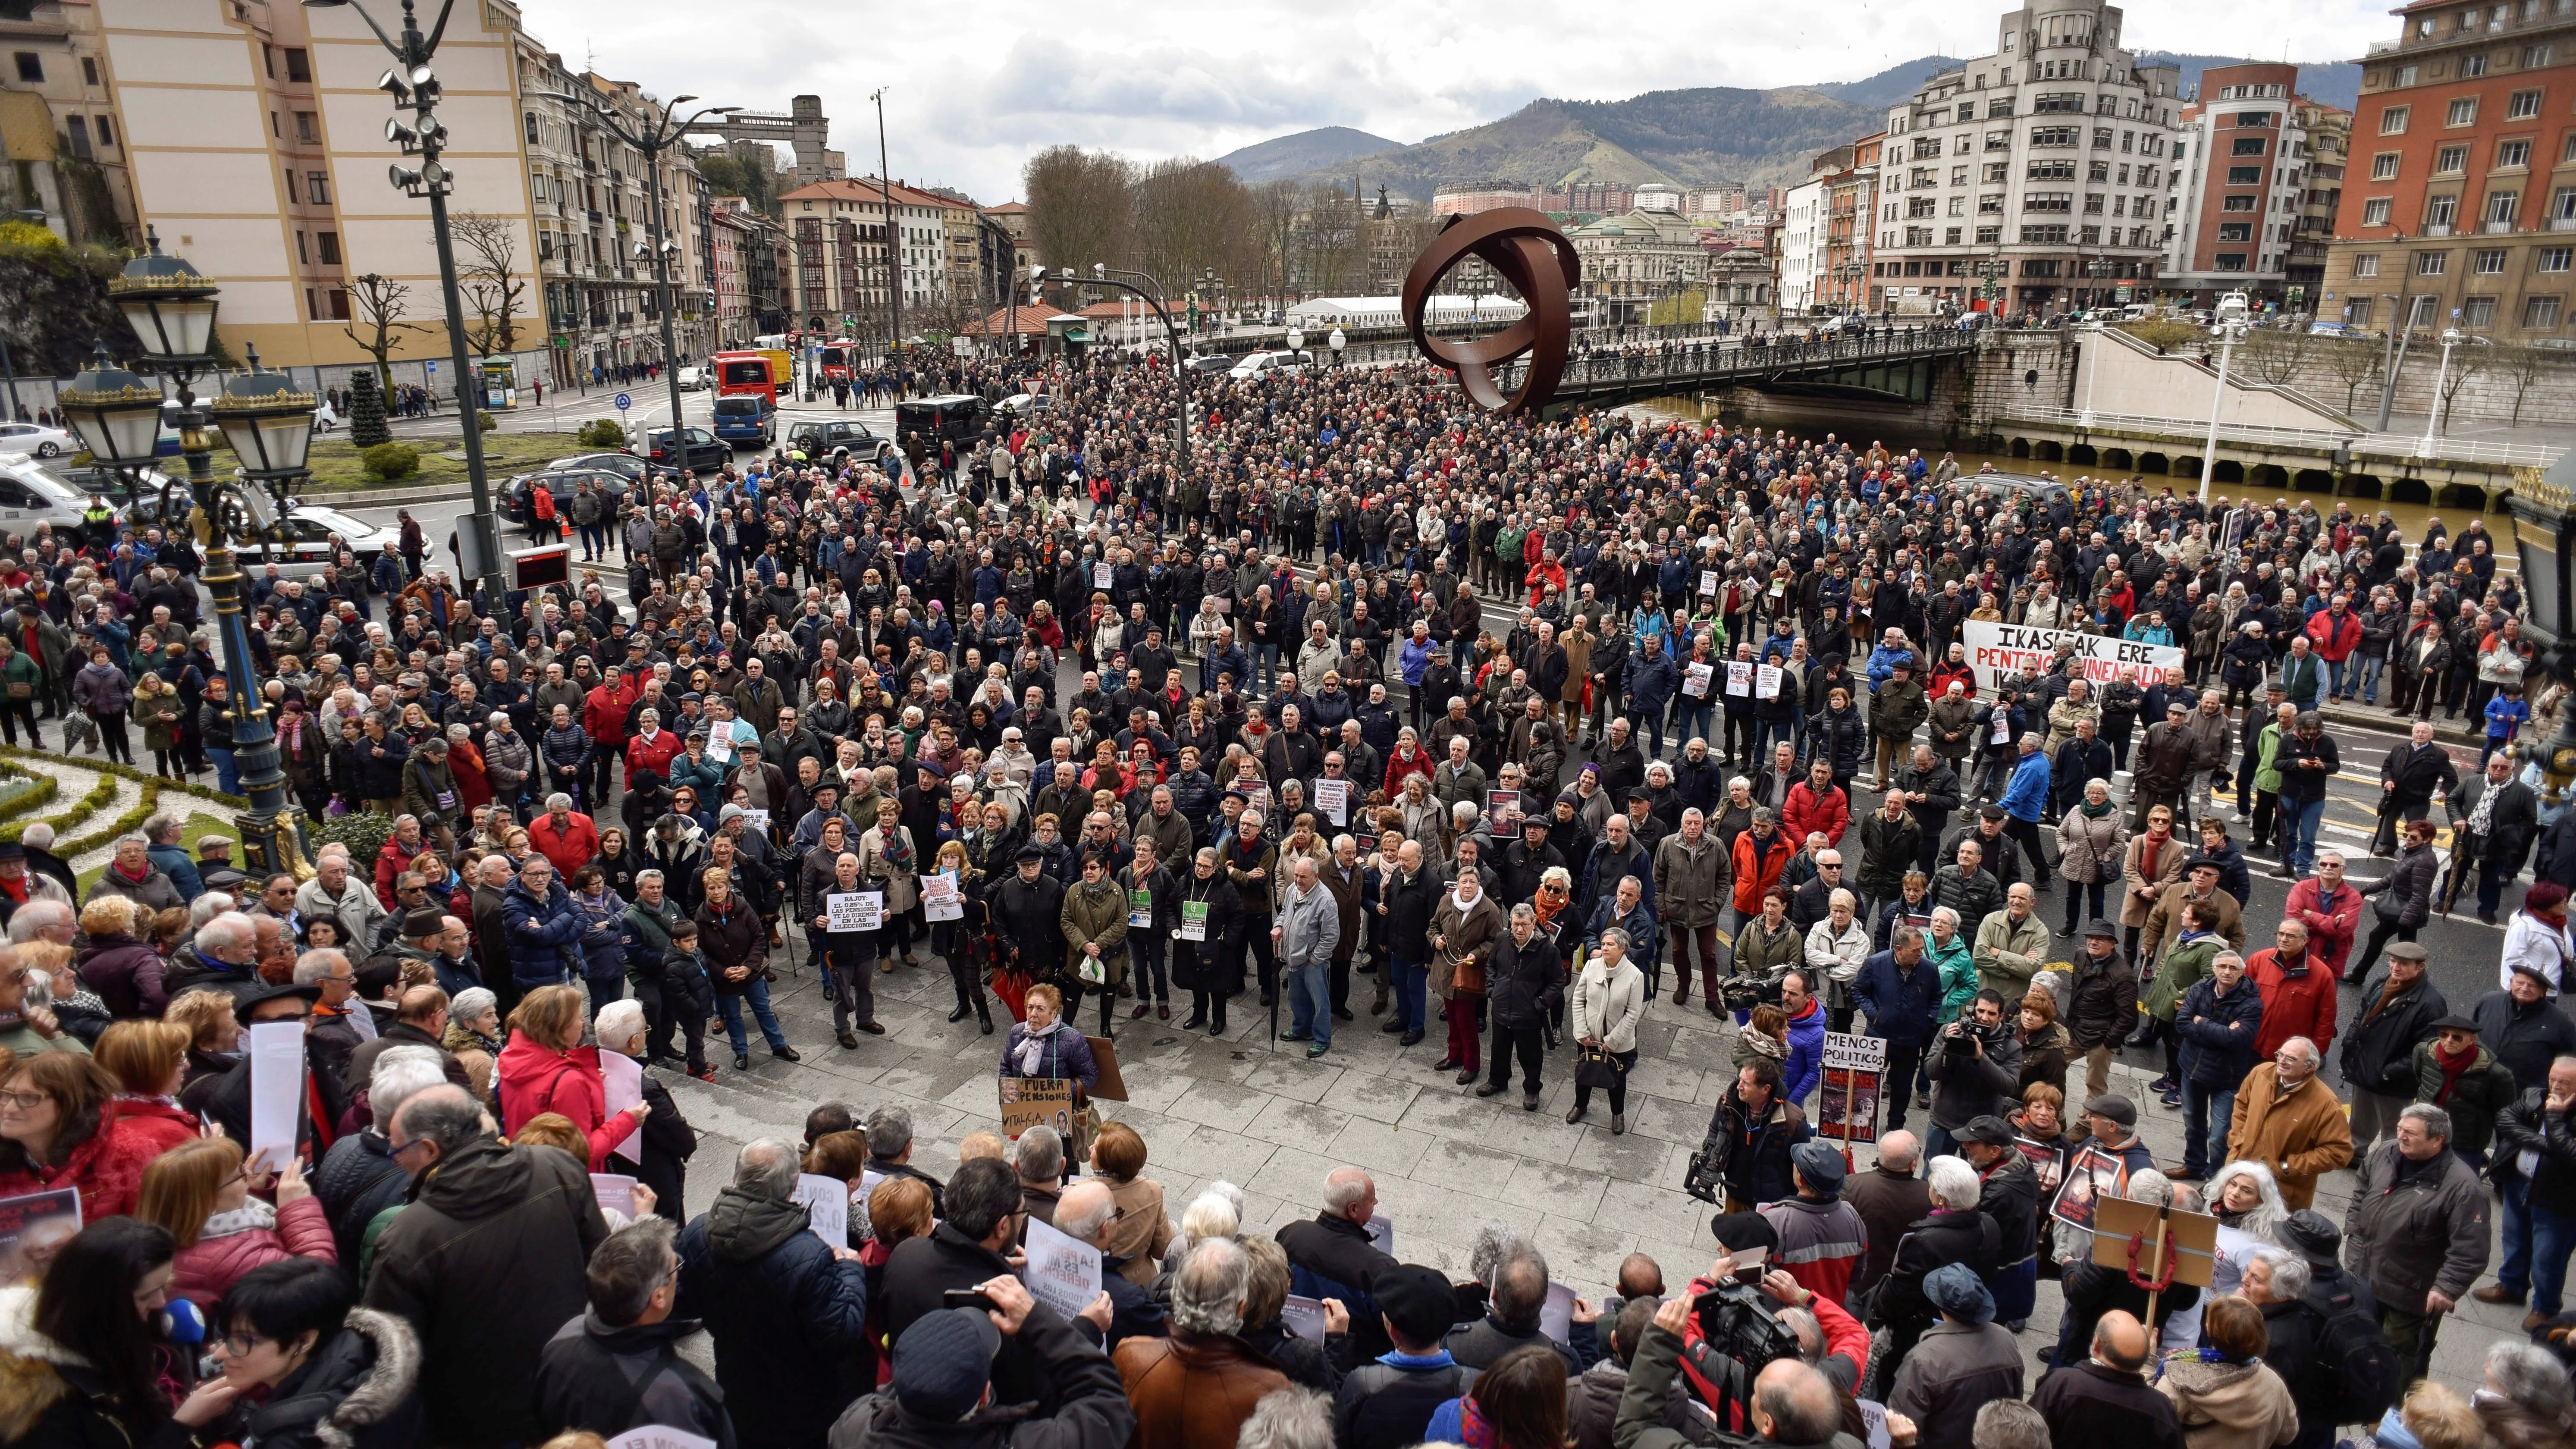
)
(1697, 137)
(1303, 151)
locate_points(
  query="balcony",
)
(2495, 228)
(2562, 223)
(2437, 228)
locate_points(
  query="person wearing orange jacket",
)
(1761, 853)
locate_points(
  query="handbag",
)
(1594, 1067)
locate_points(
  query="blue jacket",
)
(2218, 1031)
(1643, 939)
(705, 775)
(2027, 795)
(1806, 1062)
(1229, 661)
(1417, 656)
(1652, 678)
(603, 934)
(543, 934)
(173, 862)
(1903, 1006)
(788, 1318)
(1883, 662)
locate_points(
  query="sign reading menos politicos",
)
(1995, 650)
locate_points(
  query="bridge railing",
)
(2377, 445)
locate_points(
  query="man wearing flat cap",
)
(1821, 1236)
(1961, 1363)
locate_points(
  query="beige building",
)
(839, 229)
(59, 131)
(1633, 261)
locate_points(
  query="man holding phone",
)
(947, 1366)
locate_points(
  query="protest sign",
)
(1062, 1272)
(276, 1091)
(1695, 679)
(755, 821)
(1860, 1053)
(1739, 679)
(1194, 920)
(940, 900)
(1501, 804)
(827, 1207)
(615, 1191)
(1556, 1316)
(1028, 1102)
(622, 1078)
(1333, 797)
(1766, 682)
(854, 910)
(1303, 1317)
(33, 1227)
(1995, 650)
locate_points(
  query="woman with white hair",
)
(1214, 1213)
(666, 1140)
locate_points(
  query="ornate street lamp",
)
(269, 424)
(2542, 507)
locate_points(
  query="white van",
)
(1273, 364)
(34, 491)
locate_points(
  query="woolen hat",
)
(1419, 1301)
(943, 1362)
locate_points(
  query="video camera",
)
(1737, 1337)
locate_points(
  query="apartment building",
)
(1632, 262)
(2238, 186)
(1469, 198)
(2044, 159)
(1801, 249)
(840, 233)
(59, 131)
(1850, 177)
(2459, 202)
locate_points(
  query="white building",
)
(1802, 248)
(2042, 163)
(1318, 315)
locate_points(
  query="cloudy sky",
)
(973, 91)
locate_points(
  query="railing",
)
(2359, 444)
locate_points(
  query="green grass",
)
(198, 823)
(336, 467)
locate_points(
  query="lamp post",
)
(412, 84)
(2442, 379)
(268, 423)
(651, 140)
(2231, 325)
(1145, 289)
(2401, 330)
(1337, 342)
(2092, 359)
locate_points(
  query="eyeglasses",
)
(239, 1345)
(23, 1101)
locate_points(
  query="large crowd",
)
(1508, 724)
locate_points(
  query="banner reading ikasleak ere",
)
(1995, 650)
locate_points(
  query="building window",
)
(2533, 58)
(2432, 264)
(532, 128)
(2502, 206)
(2450, 160)
(2236, 231)
(299, 67)
(2383, 167)
(1918, 236)
(2374, 212)
(2463, 112)
(2357, 312)
(2553, 259)
(2366, 265)
(1990, 205)
(2472, 65)
(2057, 136)
(1950, 236)
(2540, 314)
(2487, 263)
(339, 305)
(2478, 312)
(2247, 146)
(77, 129)
(1989, 235)
(89, 70)
(305, 131)
(2043, 236)
(2392, 122)
(317, 187)
(2240, 203)
(2041, 267)
(2244, 175)
(2230, 262)
(2051, 171)
(2441, 210)
(2059, 201)
(537, 184)
(327, 245)
(31, 67)
(106, 131)
(2512, 155)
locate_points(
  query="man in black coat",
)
(1524, 983)
(2540, 1198)
(1332, 1256)
(965, 1251)
(2501, 837)
(787, 1313)
(616, 1367)
(1518, 1294)
(1955, 1231)
(2408, 780)
(2105, 1402)
(1028, 912)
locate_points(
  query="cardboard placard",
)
(940, 898)
(1303, 1317)
(615, 1191)
(2190, 1239)
(1109, 1086)
(1859, 1053)
(1062, 1272)
(854, 911)
(1028, 1102)
(1847, 1105)
(34, 1227)
(827, 1207)
(622, 1079)
(276, 1091)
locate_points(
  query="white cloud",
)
(973, 91)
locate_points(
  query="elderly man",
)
(2535, 1175)
(336, 890)
(224, 956)
(2288, 1119)
(1309, 925)
(786, 1312)
(2106, 1402)
(1334, 1256)
(2423, 1247)
(44, 916)
(1087, 1213)
(133, 875)
(2396, 1014)
(1197, 1387)
(2012, 945)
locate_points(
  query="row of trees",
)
(1178, 219)
(488, 279)
(2287, 357)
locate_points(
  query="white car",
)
(42, 441)
(693, 379)
(321, 534)
(1282, 364)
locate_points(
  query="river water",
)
(2411, 517)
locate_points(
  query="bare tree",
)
(2466, 363)
(1080, 209)
(2355, 363)
(2275, 355)
(491, 269)
(378, 303)
(1275, 209)
(2523, 366)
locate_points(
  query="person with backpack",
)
(2357, 1373)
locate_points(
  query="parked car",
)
(1269, 364)
(563, 482)
(818, 440)
(702, 449)
(1212, 363)
(747, 420)
(33, 491)
(322, 534)
(44, 442)
(2013, 487)
(1024, 404)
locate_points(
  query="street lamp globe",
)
(1296, 338)
(117, 414)
(268, 421)
(1337, 341)
(170, 305)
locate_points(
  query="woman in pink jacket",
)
(545, 1068)
(200, 1193)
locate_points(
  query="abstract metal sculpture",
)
(1517, 243)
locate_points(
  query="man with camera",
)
(1976, 1071)
(1792, 1404)
(1749, 1137)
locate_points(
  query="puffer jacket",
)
(2219, 1032)
(535, 1079)
(234, 1243)
(360, 1389)
(786, 1316)
(2092, 846)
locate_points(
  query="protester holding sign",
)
(848, 938)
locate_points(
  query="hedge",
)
(99, 797)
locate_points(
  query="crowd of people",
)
(1492, 720)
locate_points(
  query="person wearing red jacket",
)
(568, 839)
(1408, 759)
(1817, 806)
(652, 747)
(2298, 993)
(1844, 1335)
(545, 1068)
(2330, 909)
(396, 856)
(2336, 633)
(603, 716)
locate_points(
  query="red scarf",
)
(2452, 1069)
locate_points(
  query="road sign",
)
(1859, 1053)
(624, 402)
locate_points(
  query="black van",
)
(956, 417)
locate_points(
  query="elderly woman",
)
(201, 1193)
(1609, 1000)
(2095, 838)
(2226, 1396)
(545, 1068)
(1141, 1232)
(214, 1033)
(1045, 1046)
(60, 1127)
